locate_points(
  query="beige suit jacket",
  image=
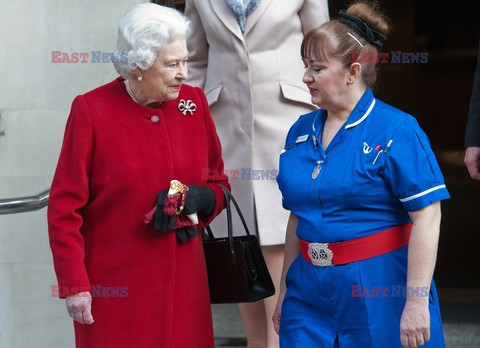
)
(253, 83)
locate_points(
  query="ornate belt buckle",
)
(320, 254)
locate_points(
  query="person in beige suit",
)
(245, 54)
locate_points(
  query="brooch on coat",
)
(186, 106)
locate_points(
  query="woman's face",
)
(327, 82)
(163, 80)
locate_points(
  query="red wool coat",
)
(150, 289)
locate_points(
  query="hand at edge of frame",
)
(472, 161)
(415, 323)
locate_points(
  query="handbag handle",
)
(229, 198)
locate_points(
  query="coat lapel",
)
(255, 15)
(227, 17)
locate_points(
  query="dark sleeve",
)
(472, 134)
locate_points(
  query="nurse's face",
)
(327, 82)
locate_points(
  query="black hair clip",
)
(360, 27)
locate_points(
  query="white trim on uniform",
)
(403, 200)
(363, 117)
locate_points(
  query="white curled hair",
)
(143, 32)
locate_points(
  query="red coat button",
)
(154, 119)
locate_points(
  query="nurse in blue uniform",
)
(364, 190)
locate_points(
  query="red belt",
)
(331, 254)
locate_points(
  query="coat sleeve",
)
(472, 135)
(68, 195)
(313, 14)
(215, 173)
(197, 47)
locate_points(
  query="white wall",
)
(35, 97)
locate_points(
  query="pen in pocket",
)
(388, 146)
(379, 151)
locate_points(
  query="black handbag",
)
(237, 271)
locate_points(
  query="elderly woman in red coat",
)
(126, 282)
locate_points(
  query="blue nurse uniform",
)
(378, 167)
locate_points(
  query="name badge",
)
(301, 139)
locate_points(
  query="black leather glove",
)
(200, 199)
(185, 232)
(161, 221)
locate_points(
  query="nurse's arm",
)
(292, 249)
(422, 254)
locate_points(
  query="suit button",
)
(154, 119)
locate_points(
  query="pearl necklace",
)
(130, 92)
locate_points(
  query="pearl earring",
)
(140, 78)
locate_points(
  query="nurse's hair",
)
(143, 32)
(355, 34)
